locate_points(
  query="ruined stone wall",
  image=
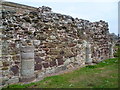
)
(41, 42)
(16, 8)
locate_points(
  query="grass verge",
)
(102, 75)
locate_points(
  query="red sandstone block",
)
(15, 69)
(38, 60)
(38, 66)
(60, 61)
(45, 65)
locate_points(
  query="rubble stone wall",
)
(16, 8)
(60, 42)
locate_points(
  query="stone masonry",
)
(36, 42)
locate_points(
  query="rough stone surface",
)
(0, 81)
(1, 63)
(15, 69)
(13, 80)
(38, 41)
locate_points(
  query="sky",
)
(92, 10)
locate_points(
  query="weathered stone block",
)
(16, 57)
(4, 80)
(50, 70)
(50, 45)
(27, 49)
(62, 52)
(53, 63)
(27, 78)
(67, 61)
(58, 69)
(40, 75)
(5, 68)
(36, 42)
(41, 54)
(59, 57)
(60, 61)
(42, 37)
(27, 72)
(54, 51)
(38, 66)
(70, 66)
(7, 63)
(53, 57)
(38, 60)
(13, 80)
(68, 53)
(46, 49)
(27, 55)
(17, 62)
(45, 65)
(72, 44)
(27, 64)
(15, 69)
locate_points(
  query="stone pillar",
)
(88, 53)
(111, 50)
(27, 63)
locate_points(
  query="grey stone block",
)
(40, 75)
(27, 72)
(27, 64)
(27, 49)
(4, 80)
(27, 79)
(36, 42)
(27, 55)
(50, 71)
(58, 69)
(13, 80)
(61, 68)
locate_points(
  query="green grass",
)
(102, 75)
